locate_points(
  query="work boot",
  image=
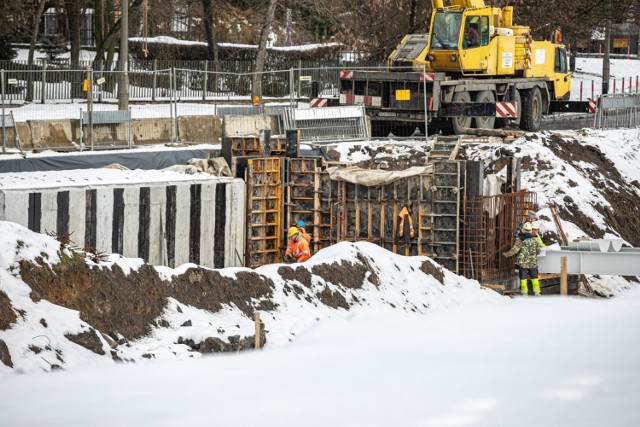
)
(523, 287)
(536, 286)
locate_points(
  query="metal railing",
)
(618, 111)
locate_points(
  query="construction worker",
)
(300, 225)
(527, 246)
(297, 249)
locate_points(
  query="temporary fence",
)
(327, 124)
(618, 111)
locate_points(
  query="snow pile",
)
(338, 282)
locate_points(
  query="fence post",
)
(155, 80)
(204, 80)
(171, 97)
(291, 88)
(4, 129)
(43, 90)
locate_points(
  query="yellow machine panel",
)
(506, 55)
(541, 62)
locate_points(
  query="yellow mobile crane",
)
(473, 67)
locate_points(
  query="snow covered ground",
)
(533, 362)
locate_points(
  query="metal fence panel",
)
(618, 111)
(327, 124)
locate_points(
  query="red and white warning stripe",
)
(369, 101)
(507, 110)
(427, 76)
(346, 75)
(319, 102)
(593, 105)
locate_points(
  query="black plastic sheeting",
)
(146, 160)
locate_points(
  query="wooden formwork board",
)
(264, 211)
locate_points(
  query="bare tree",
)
(256, 86)
(32, 47)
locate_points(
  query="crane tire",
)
(531, 110)
(485, 122)
(460, 124)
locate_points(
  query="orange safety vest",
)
(404, 213)
(299, 250)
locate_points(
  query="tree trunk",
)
(210, 30)
(75, 13)
(32, 46)
(606, 64)
(256, 86)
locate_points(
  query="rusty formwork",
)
(487, 231)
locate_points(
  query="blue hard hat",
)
(301, 224)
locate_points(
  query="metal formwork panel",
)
(446, 188)
(302, 195)
(264, 211)
(371, 213)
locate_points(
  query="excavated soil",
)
(622, 215)
(300, 274)
(106, 298)
(7, 315)
(5, 356)
(88, 340)
(393, 157)
(344, 273)
(332, 299)
(130, 305)
(209, 290)
(430, 269)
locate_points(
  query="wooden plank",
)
(563, 276)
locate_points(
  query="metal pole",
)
(171, 95)
(123, 57)
(4, 129)
(426, 106)
(291, 83)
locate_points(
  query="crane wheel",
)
(531, 110)
(459, 125)
(485, 122)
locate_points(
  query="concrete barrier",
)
(65, 134)
(206, 129)
(151, 131)
(246, 125)
(54, 133)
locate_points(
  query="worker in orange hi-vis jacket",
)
(297, 249)
(301, 226)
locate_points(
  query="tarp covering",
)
(373, 177)
(131, 159)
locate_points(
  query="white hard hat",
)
(535, 225)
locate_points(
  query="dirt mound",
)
(5, 356)
(130, 305)
(622, 215)
(209, 290)
(88, 340)
(7, 315)
(394, 157)
(107, 299)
